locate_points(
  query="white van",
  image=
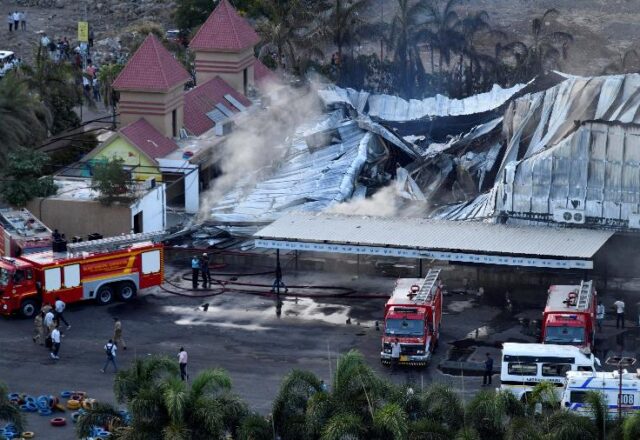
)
(526, 365)
(607, 383)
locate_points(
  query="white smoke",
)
(260, 141)
(386, 202)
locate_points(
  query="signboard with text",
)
(83, 31)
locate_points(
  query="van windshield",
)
(404, 327)
(564, 335)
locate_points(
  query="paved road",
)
(239, 333)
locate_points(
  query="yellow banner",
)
(83, 31)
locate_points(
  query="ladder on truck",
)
(113, 243)
(425, 294)
(584, 295)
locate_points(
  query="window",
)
(564, 335)
(72, 275)
(578, 397)
(151, 262)
(52, 280)
(18, 276)
(404, 327)
(522, 369)
(585, 368)
(174, 122)
(4, 277)
(555, 369)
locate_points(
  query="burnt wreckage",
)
(561, 149)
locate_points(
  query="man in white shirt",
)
(183, 358)
(60, 306)
(48, 319)
(110, 350)
(619, 305)
(395, 353)
(55, 340)
(600, 311)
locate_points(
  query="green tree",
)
(255, 427)
(111, 179)
(106, 76)
(344, 22)
(59, 87)
(489, 412)
(23, 118)
(8, 411)
(189, 14)
(162, 406)
(24, 180)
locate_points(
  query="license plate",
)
(404, 358)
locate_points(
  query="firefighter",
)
(117, 334)
(195, 271)
(204, 268)
(39, 333)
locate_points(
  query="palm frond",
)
(391, 420)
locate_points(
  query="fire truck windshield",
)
(404, 327)
(4, 277)
(564, 335)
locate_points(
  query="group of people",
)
(47, 327)
(17, 20)
(90, 82)
(200, 264)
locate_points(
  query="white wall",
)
(154, 209)
(191, 181)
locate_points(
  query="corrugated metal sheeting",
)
(415, 233)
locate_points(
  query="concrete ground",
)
(242, 334)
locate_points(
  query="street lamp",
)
(620, 362)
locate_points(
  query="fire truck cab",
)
(570, 315)
(413, 315)
(100, 270)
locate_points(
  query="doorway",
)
(137, 223)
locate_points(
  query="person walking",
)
(16, 20)
(619, 305)
(110, 350)
(60, 306)
(55, 342)
(39, 334)
(23, 20)
(117, 334)
(195, 271)
(95, 84)
(600, 311)
(204, 268)
(395, 354)
(183, 358)
(10, 21)
(488, 370)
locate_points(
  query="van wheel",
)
(28, 308)
(127, 291)
(105, 295)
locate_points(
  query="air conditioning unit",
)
(576, 216)
(634, 221)
(223, 128)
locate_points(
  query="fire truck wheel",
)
(127, 291)
(28, 308)
(105, 295)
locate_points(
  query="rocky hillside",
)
(602, 29)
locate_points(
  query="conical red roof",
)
(224, 30)
(151, 68)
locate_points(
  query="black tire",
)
(126, 291)
(105, 295)
(29, 308)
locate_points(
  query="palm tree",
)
(629, 62)
(444, 35)
(59, 87)
(255, 427)
(407, 29)
(631, 427)
(8, 411)
(162, 406)
(543, 53)
(23, 118)
(291, 31)
(290, 404)
(490, 412)
(343, 22)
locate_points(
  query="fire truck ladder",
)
(584, 295)
(113, 243)
(426, 291)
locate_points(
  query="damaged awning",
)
(468, 242)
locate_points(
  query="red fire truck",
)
(100, 270)
(413, 315)
(570, 315)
